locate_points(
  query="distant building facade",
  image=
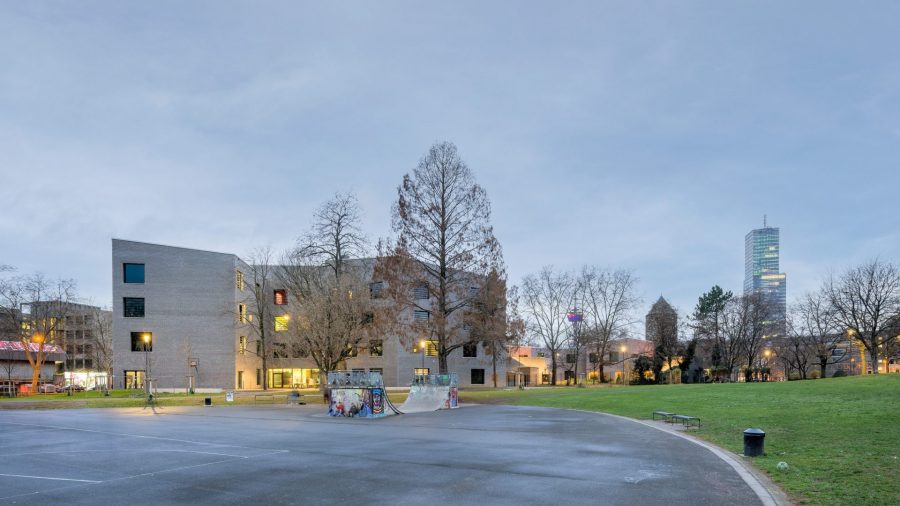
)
(762, 252)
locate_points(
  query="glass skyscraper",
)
(761, 270)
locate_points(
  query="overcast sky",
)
(645, 135)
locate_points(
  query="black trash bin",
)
(754, 440)
(207, 401)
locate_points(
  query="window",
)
(88, 319)
(421, 371)
(540, 354)
(134, 379)
(281, 323)
(379, 370)
(297, 351)
(239, 280)
(242, 313)
(240, 380)
(133, 273)
(279, 350)
(571, 358)
(420, 292)
(88, 334)
(473, 291)
(357, 369)
(376, 347)
(134, 307)
(593, 357)
(258, 377)
(280, 297)
(470, 350)
(375, 289)
(431, 349)
(838, 352)
(353, 351)
(142, 341)
(242, 344)
(478, 376)
(258, 350)
(420, 315)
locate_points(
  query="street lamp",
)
(147, 338)
(422, 344)
(623, 349)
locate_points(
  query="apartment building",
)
(184, 315)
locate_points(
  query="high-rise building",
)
(761, 268)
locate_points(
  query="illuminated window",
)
(280, 297)
(142, 341)
(243, 317)
(133, 273)
(133, 307)
(421, 371)
(431, 349)
(281, 323)
(239, 280)
(376, 347)
(242, 344)
(470, 350)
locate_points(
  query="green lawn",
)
(841, 436)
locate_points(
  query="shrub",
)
(814, 375)
(839, 374)
(794, 376)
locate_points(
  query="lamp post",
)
(147, 343)
(623, 349)
(422, 344)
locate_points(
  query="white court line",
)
(48, 478)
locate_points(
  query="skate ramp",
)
(426, 398)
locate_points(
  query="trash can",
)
(754, 442)
(207, 401)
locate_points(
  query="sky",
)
(649, 136)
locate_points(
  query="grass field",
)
(840, 437)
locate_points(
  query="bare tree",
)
(254, 311)
(445, 248)
(492, 319)
(813, 322)
(866, 301)
(103, 343)
(757, 313)
(37, 308)
(609, 299)
(794, 350)
(335, 235)
(546, 297)
(328, 284)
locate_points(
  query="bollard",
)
(754, 440)
(207, 401)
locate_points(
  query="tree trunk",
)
(442, 363)
(823, 362)
(600, 374)
(874, 353)
(553, 370)
(494, 364)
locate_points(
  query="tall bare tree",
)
(101, 325)
(812, 321)
(255, 308)
(545, 301)
(493, 319)
(609, 299)
(445, 247)
(327, 280)
(37, 308)
(866, 301)
(757, 313)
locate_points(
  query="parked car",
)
(76, 388)
(47, 388)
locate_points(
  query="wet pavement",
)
(280, 454)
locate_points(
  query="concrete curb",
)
(768, 492)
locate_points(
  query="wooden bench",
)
(686, 420)
(666, 416)
(264, 398)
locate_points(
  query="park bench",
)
(264, 398)
(686, 420)
(295, 398)
(664, 414)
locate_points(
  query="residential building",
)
(184, 315)
(762, 251)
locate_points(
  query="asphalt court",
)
(298, 455)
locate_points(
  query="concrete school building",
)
(176, 313)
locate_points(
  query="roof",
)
(18, 346)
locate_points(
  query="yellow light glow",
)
(623, 349)
(146, 338)
(38, 338)
(422, 343)
(767, 353)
